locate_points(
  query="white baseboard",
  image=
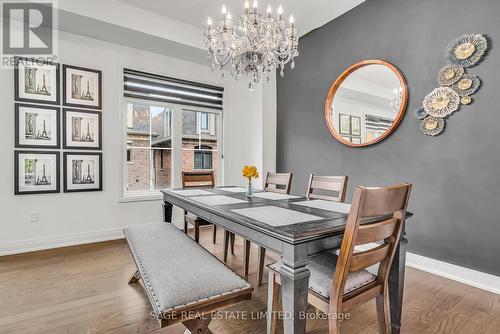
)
(460, 274)
(65, 240)
(467, 276)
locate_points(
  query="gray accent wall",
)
(456, 176)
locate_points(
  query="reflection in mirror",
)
(366, 103)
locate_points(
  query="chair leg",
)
(134, 278)
(214, 236)
(226, 244)
(198, 325)
(273, 296)
(334, 321)
(262, 257)
(233, 237)
(246, 258)
(384, 313)
(197, 231)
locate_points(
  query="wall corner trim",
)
(463, 275)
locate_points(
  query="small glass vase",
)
(249, 192)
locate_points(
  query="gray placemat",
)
(276, 216)
(234, 189)
(217, 200)
(192, 192)
(274, 196)
(326, 205)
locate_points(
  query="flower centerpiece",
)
(250, 172)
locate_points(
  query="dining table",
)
(293, 227)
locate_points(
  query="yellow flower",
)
(250, 172)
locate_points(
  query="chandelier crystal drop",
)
(254, 45)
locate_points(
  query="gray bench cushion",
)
(176, 270)
(322, 269)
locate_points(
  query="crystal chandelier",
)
(253, 46)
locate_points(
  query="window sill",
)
(141, 196)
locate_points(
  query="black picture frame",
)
(16, 81)
(57, 111)
(358, 127)
(65, 172)
(99, 90)
(343, 131)
(57, 177)
(65, 129)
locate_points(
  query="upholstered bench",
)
(183, 281)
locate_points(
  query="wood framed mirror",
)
(366, 103)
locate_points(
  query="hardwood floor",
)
(83, 289)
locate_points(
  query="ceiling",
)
(309, 14)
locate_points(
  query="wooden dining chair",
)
(339, 284)
(278, 183)
(200, 179)
(330, 188)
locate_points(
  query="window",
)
(149, 147)
(203, 157)
(199, 148)
(172, 125)
(203, 121)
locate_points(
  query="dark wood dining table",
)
(294, 242)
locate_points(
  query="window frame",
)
(176, 149)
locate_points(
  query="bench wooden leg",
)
(198, 325)
(246, 258)
(214, 236)
(134, 278)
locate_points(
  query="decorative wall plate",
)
(441, 102)
(466, 100)
(420, 113)
(448, 75)
(467, 50)
(467, 85)
(432, 126)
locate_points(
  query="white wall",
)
(84, 217)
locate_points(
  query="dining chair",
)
(340, 283)
(199, 179)
(278, 183)
(330, 188)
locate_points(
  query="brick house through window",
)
(149, 145)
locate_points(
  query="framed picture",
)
(82, 87)
(36, 126)
(82, 129)
(356, 140)
(36, 81)
(355, 126)
(82, 172)
(344, 124)
(36, 172)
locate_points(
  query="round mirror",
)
(366, 103)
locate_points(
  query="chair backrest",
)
(278, 182)
(198, 179)
(330, 188)
(377, 214)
